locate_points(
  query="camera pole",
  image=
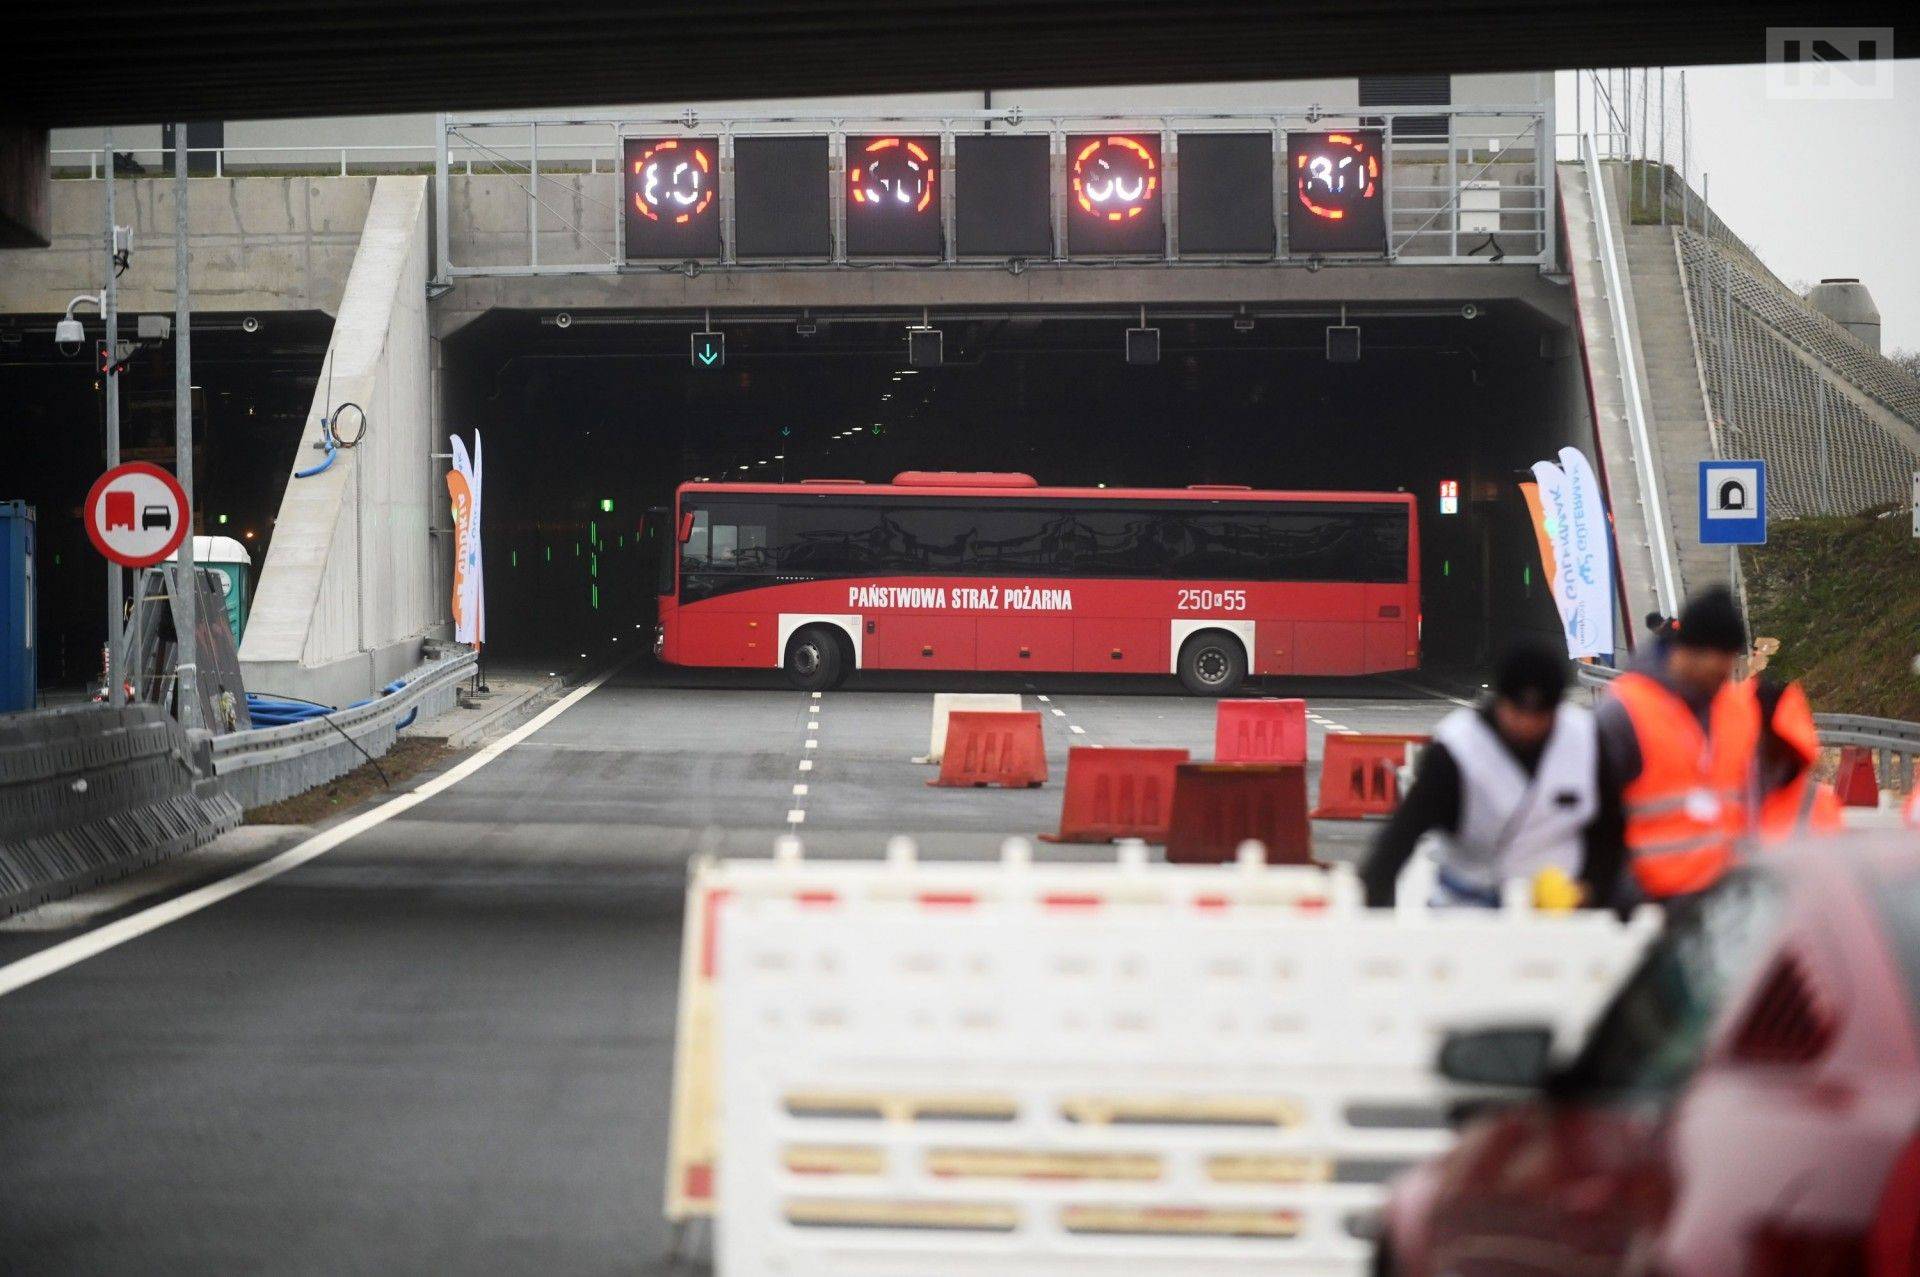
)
(110, 315)
(186, 683)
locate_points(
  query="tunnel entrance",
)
(591, 420)
(251, 393)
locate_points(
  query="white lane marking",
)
(813, 709)
(1043, 699)
(800, 791)
(806, 764)
(1076, 729)
(796, 816)
(816, 696)
(812, 743)
(1059, 713)
(38, 966)
(812, 726)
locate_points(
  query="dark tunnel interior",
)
(587, 426)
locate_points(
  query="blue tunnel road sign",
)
(1733, 503)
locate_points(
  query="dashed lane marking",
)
(806, 764)
(38, 966)
(1059, 713)
(800, 791)
(1076, 729)
(796, 816)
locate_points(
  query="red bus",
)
(955, 571)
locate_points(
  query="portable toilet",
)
(229, 560)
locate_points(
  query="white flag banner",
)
(463, 492)
(1581, 574)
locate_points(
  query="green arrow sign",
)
(709, 349)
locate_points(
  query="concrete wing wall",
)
(347, 591)
(259, 244)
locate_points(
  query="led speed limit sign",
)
(671, 187)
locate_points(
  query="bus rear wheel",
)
(813, 662)
(1212, 663)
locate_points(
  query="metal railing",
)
(248, 161)
(1633, 390)
(1479, 192)
(1894, 737)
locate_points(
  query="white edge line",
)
(38, 966)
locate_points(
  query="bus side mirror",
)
(686, 528)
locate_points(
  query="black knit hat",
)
(1532, 673)
(1712, 620)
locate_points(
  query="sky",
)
(1821, 189)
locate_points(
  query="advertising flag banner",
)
(1572, 520)
(469, 592)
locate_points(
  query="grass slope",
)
(1843, 597)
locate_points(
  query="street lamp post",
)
(110, 314)
(186, 689)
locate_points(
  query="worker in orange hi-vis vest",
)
(1678, 738)
(1792, 801)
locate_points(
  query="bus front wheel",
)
(1212, 663)
(813, 661)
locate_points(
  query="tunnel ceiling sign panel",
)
(672, 187)
(1336, 201)
(1114, 189)
(893, 189)
(1002, 201)
(780, 197)
(1226, 193)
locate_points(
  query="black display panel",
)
(1114, 194)
(672, 187)
(1226, 193)
(780, 205)
(893, 188)
(1002, 198)
(1336, 192)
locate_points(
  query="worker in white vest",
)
(1509, 788)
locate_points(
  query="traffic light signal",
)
(1143, 345)
(924, 347)
(709, 350)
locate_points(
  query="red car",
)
(1747, 1105)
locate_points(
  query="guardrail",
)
(270, 763)
(1896, 738)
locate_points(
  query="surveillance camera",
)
(1469, 311)
(69, 336)
(250, 325)
(563, 320)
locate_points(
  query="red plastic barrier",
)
(986, 748)
(1359, 775)
(1117, 793)
(1260, 731)
(1217, 806)
(1857, 783)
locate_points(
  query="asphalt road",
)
(445, 1044)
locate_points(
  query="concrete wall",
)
(259, 244)
(347, 591)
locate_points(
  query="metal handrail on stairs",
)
(1666, 573)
